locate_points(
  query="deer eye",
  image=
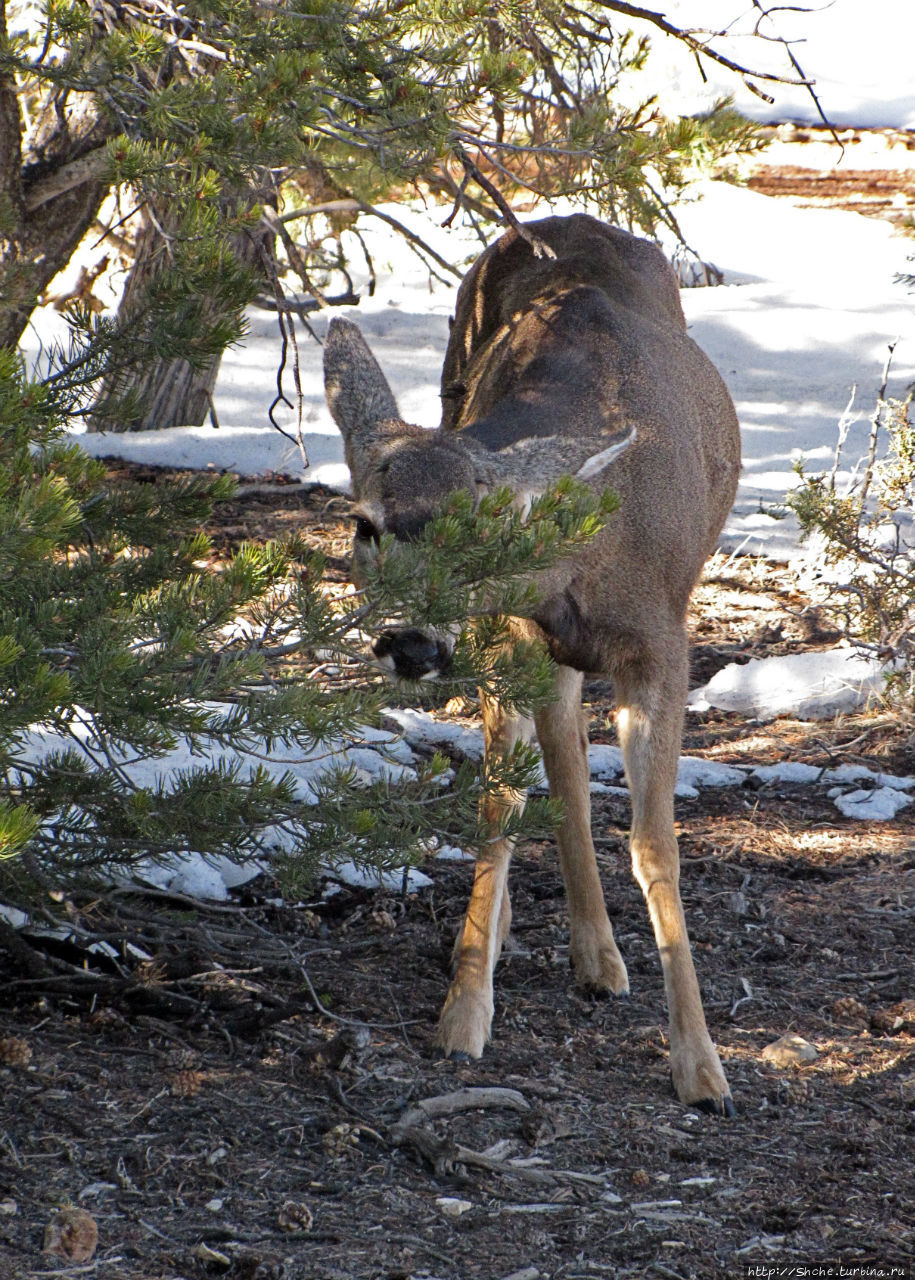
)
(365, 530)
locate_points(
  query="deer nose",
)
(412, 653)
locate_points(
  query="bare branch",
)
(353, 205)
(691, 39)
(876, 422)
(539, 249)
(287, 337)
(767, 13)
(88, 168)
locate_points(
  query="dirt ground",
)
(236, 1107)
(870, 172)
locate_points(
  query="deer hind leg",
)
(466, 1017)
(596, 962)
(650, 699)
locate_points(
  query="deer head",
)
(402, 475)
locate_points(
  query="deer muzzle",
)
(412, 654)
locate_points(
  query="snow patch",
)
(694, 772)
(879, 805)
(371, 878)
(422, 730)
(605, 761)
(808, 686)
(191, 874)
(788, 771)
(451, 853)
(859, 773)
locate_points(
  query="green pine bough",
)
(124, 641)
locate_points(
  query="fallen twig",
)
(443, 1153)
(449, 1104)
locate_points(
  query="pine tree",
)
(205, 116)
(119, 639)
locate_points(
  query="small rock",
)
(8, 1208)
(790, 1051)
(526, 1273)
(451, 1207)
(212, 1257)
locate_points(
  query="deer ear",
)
(597, 461)
(358, 394)
(536, 462)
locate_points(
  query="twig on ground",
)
(449, 1104)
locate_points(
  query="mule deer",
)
(575, 360)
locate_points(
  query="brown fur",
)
(550, 364)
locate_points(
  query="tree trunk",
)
(50, 194)
(170, 393)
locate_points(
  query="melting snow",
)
(808, 686)
(879, 805)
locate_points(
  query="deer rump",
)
(569, 354)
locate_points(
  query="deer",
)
(568, 354)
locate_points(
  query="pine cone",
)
(14, 1051)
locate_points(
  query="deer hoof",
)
(717, 1106)
(590, 990)
(704, 1087)
(463, 1027)
(599, 971)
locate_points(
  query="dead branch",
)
(449, 1104)
(692, 41)
(275, 226)
(305, 306)
(767, 13)
(287, 339)
(88, 168)
(538, 247)
(876, 422)
(353, 205)
(443, 1154)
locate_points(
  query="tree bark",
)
(171, 393)
(51, 190)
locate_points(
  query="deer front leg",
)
(596, 962)
(466, 1018)
(650, 703)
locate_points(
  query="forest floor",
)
(232, 1108)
